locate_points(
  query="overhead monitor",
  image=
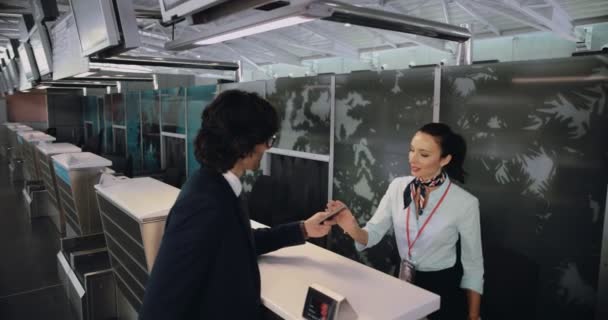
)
(25, 25)
(105, 24)
(13, 72)
(11, 48)
(41, 48)
(3, 85)
(68, 59)
(96, 25)
(28, 64)
(8, 81)
(173, 9)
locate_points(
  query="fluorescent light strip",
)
(256, 29)
(84, 74)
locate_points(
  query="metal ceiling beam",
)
(466, 6)
(378, 35)
(245, 58)
(553, 17)
(254, 52)
(278, 53)
(501, 9)
(339, 45)
(284, 40)
(444, 8)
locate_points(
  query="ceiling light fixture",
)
(85, 74)
(255, 29)
(328, 10)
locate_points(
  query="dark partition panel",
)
(303, 105)
(376, 116)
(536, 133)
(118, 109)
(133, 121)
(65, 114)
(173, 106)
(91, 115)
(107, 124)
(150, 119)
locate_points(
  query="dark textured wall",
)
(303, 105)
(376, 116)
(537, 160)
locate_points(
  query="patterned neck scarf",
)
(417, 189)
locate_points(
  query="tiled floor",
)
(29, 284)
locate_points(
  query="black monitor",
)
(41, 48)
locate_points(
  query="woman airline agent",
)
(428, 212)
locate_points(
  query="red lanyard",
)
(410, 244)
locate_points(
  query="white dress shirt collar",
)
(234, 182)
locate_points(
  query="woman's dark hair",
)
(232, 125)
(451, 143)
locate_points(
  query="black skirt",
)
(446, 284)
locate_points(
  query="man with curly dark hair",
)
(206, 267)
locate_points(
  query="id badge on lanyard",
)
(407, 269)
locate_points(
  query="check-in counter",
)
(12, 139)
(133, 213)
(77, 174)
(28, 140)
(47, 175)
(288, 273)
(14, 152)
(4, 138)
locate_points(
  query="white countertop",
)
(35, 136)
(144, 199)
(287, 273)
(81, 160)
(20, 127)
(57, 148)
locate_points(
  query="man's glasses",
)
(271, 141)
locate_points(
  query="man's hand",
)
(313, 225)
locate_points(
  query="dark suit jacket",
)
(207, 266)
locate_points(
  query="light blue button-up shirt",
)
(435, 249)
